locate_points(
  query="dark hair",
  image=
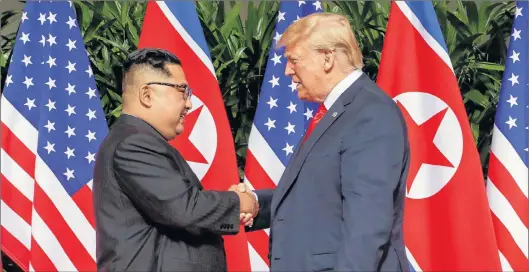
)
(154, 59)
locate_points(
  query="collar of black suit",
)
(135, 121)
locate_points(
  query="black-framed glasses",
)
(188, 92)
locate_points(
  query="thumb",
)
(241, 187)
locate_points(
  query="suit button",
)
(231, 226)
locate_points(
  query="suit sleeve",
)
(262, 220)
(157, 186)
(371, 165)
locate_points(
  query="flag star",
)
(69, 174)
(27, 60)
(71, 22)
(277, 37)
(292, 107)
(51, 39)
(301, 3)
(70, 2)
(30, 103)
(514, 79)
(293, 86)
(24, 17)
(69, 152)
(51, 17)
(270, 124)
(70, 67)
(42, 18)
(272, 102)
(516, 34)
(317, 5)
(276, 59)
(25, 37)
(308, 113)
(43, 40)
(89, 71)
(50, 126)
(515, 56)
(274, 81)
(90, 157)
(290, 128)
(281, 16)
(28, 82)
(71, 44)
(288, 149)
(518, 12)
(70, 110)
(51, 61)
(91, 114)
(70, 131)
(511, 122)
(70, 89)
(9, 80)
(49, 146)
(91, 93)
(512, 100)
(91, 136)
(51, 83)
(50, 105)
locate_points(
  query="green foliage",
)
(476, 35)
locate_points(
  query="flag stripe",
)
(257, 261)
(19, 152)
(86, 207)
(12, 197)
(53, 219)
(507, 216)
(508, 247)
(259, 241)
(49, 245)
(16, 175)
(256, 175)
(15, 225)
(16, 122)
(186, 37)
(506, 154)
(508, 188)
(505, 266)
(428, 38)
(39, 260)
(18, 251)
(73, 216)
(265, 156)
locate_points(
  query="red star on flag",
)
(182, 143)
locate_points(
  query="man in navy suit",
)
(339, 204)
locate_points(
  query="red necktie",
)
(315, 120)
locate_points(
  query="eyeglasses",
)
(188, 92)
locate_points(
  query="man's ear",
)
(145, 95)
(330, 59)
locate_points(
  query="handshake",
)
(249, 204)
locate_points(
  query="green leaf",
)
(478, 98)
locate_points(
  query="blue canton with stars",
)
(50, 82)
(281, 117)
(512, 114)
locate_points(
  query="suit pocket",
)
(323, 261)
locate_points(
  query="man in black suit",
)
(152, 213)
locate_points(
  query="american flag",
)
(507, 178)
(52, 125)
(279, 123)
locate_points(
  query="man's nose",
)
(188, 105)
(289, 71)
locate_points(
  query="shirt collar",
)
(341, 87)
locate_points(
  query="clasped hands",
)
(249, 205)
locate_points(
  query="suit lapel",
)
(302, 151)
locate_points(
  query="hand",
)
(247, 212)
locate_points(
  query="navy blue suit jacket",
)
(339, 204)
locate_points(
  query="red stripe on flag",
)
(16, 251)
(259, 241)
(508, 246)
(61, 230)
(18, 151)
(18, 202)
(256, 174)
(83, 199)
(506, 184)
(39, 259)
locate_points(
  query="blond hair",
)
(325, 31)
